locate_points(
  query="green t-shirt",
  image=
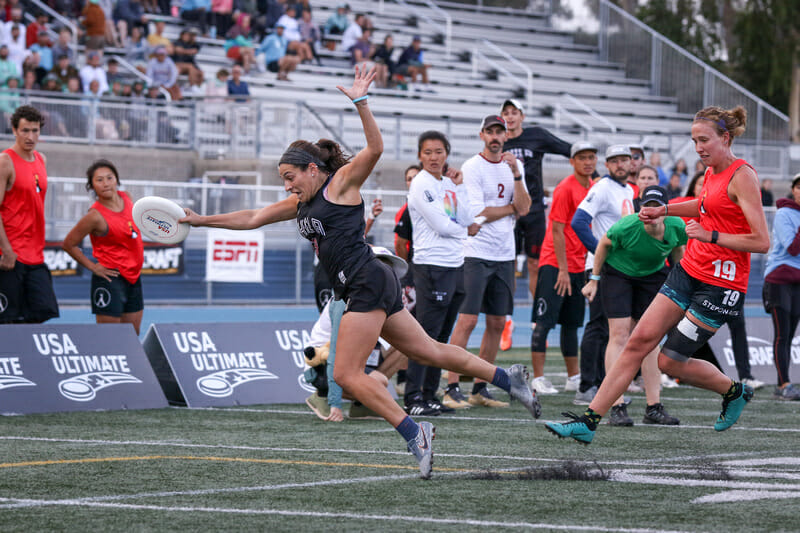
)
(635, 253)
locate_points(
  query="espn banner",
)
(235, 256)
(52, 368)
(759, 345)
(222, 364)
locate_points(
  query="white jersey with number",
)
(607, 202)
(491, 185)
(440, 214)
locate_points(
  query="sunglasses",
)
(637, 157)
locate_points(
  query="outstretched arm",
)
(285, 209)
(351, 176)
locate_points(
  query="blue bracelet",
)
(360, 98)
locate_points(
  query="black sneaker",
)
(618, 416)
(421, 408)
(439, 406)
(656, 414)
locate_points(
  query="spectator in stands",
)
(31, 63)
(8, 68)
(16, 46)
(337, 23)
(291, 30)
(237, 86)
(382, 56)
(363, 49)
(682, 170)
(9, 98)
(767, 200)
(646, 177)
(129, 14)
(33, 29)
(353, 32)
(42, 47)
(16, 20)
(310, 34)
(51, 83)
(274, 49)
(196, 12)
(221, 17)
(699, 166)
(196, 86)
(163, 73)
(412, 64)
(218, 86)
(157, 38)
(655, 162)
(73, 85)
(112, 72)
(112, 37)
(63, 45)
(93, 71)
(29, 82)
(186, 49)
(674, 189)
(94, 23)
(137, 48)
(238, 43)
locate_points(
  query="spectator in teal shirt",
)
(274, 49)
(8, 68)
(42, 45)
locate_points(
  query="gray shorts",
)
(489, 286)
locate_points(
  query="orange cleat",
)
(505, 339)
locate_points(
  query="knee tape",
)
(685, 339)
(539, 338)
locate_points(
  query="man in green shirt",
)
(629, 263)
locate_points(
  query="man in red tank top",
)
(26, 288)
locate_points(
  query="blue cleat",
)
(731, 409)
(575, 428)
(422, 448)
(521, 391)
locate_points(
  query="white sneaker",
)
(636, 386)
(542, 385)
(573, 383)
(753, 382)
(668, 383)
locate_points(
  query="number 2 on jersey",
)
(500, 190)
(724, 270)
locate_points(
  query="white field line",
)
(351, 451)
(626, 477)
(735, 473)
(779, 461)
(744, 496)
(354, 516)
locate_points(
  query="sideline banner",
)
(60, 262)
(759, 345)
(162, 259)
(223, 364)
(71, 367)
(235, 256)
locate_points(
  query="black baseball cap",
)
(493, 120)
(654, 193)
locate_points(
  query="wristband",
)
(594, 277)
(356, 100)
(518, 179)
(714, 237)
(666, 210)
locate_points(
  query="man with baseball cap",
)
(529, 146)
(558, 298)
(637, 161)
(609, 200)
(495, 183)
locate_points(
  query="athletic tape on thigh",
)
(685, 339)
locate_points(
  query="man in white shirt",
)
(353, 32)
(93, 71)
(609, 200)
(495, 182)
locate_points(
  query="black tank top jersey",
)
(337, 233)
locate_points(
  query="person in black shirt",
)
(529, 145)
(325, 198)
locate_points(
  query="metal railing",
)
(527, 86)
(444, 15)
(64, 21)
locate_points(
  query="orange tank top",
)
(121, 247)
(711, 263)
(22, 209)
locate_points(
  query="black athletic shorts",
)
(626, 296)
(116, 297)
(272, 66)
(373, 286)
(489, 287)
(26, 294)
(712, 305)
(552, 309)
(529, 233)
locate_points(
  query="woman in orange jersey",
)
(116, 289)
(706, 289)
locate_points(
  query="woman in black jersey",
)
(326, 201)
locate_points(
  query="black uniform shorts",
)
(26, 294)
(116, 297)
(552, 309)
(373, 286)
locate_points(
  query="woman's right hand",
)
(105, 273)
(590, 290)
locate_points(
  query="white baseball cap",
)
(616, 150)
(581, 146)
(513, 102)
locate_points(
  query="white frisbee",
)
(157, 219)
